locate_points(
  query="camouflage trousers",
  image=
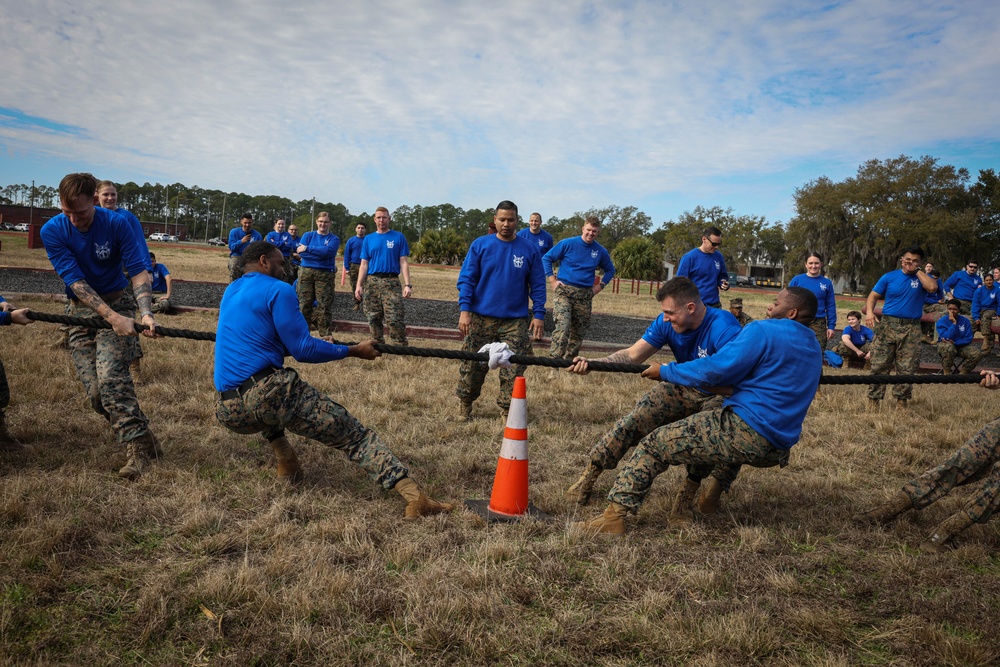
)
(283, 401)
(927, 328)
(161, 304)
(384, 302)
(965, 307)
(484, 330)
(818, 327)
(847, 354)
(4, 388)
(710, 439)
(664, 404)
(571, 308)
(896, 345)
(978, 458)
(985, 320)
(235, 268)
(949, 351)
(352, 273)
(290, 270)
(318, 286)
(101, 359)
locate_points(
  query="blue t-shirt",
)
(352, 251)
(158, 274)
(259, 325)
(984, 299)
(962, 285)
(904, 294)
(497, 277)
(718, 328)
(707, 270)
(822, 287)
(578, 262)
(959, 333)
(383, 251)
(97, 255)
(862, 336)
(542, 241)
(139, 234)
(282, 240)
(774, 370)
(320, 252)
(5, 316)
(236, 245)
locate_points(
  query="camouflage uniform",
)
(352, 273)
(571, 311)
(847, 354)
(664, 404)
(985, 320)
(948, 351)
(384, 301)
(818, 326)
(283, 401)
(978, 458)
(317, 285)
(896, 345)
(965, 307)
(101, 358)
(713, 438)
(160, 303)
(482, 331)
(235, 267)
(744, 319)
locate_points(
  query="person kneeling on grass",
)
(978, 458)
(259, 324)
(773, 368)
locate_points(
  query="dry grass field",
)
(209, 560)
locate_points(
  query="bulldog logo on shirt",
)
(389, 244)
(518, 261)
(822, 286)
(541, 243)
(717, 266)
(702, 352)
(593, 254)
(961, 327)
(103, 251)
(914, 284)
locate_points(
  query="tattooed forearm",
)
(143, 293)
(619, 357)
(86, 295)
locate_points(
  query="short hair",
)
(74, 186)
(953, 302)
(322, 213)
(972, 261)
(152, 256)
(935, 273)
(817, 256)
(913, 250)
(362, 223)
(246, 216)
(679, 289)
(592, 221)
(256, 250)
(804, 302)
(534, 214)
(103, 184)
(382, 208)
(854, 313)
(507, 205)
(712, 231)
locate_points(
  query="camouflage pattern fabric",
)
(282, 401)
(383, 302)
(847, 354)
(709, 439)
(291, 275)
(571, 312)
(743, 319)
(352, 273)
(985, 320)
(965, 308)
(949, 351)
(484, 330)
(160, 304)
(235, 268)
(978, 458)
(4, 388)
(896, 345)
(927, 328)
(664, 404)
(318, 286)
(818, 327)
(101, 358)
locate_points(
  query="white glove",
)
(499, 355)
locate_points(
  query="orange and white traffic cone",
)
(509, 500)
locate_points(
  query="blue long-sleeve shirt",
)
(352, 251)
(903, 293)
(962, 285)
(96, 256)
(578, 262)
(959, 333)
(320, 252)
(259, 325)
(282, 241)
(706, 270)
(773, 367)
(822, 287)
(236, 245)
(932, 298)
(984, 299)
(497, 277)
(542, 241)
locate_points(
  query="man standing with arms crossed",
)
(499, 274)
(239, 239)
(352, 260)
(897, 332)
(706, 267)
(88, 246)
(296, 261)
(538, 237)
(284, 242)
(573, 284)
(384, 255)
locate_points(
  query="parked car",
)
(159, 236)
(217, 241)
(8, 226)
(741, 281)
(21, 227)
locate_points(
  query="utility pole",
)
(312, 214)
(222, 220)
(31, 211)
(166, 214)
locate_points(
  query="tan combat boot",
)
(138, 460)
(580, 492)
(8, 443)
(418, 503)
(289, 469)
(682, 514)
(464, 410)
(945, 532)
(886, 512)
(611, 522)
(708, 503)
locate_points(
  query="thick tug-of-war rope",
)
(460, 355)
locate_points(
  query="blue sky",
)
(558, 106)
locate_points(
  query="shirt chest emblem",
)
(822, 286)
(702, 352)
(593, 254)
(518, 261)
(102, 251)
(914, 284)
(717, 266)
(390, 244)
